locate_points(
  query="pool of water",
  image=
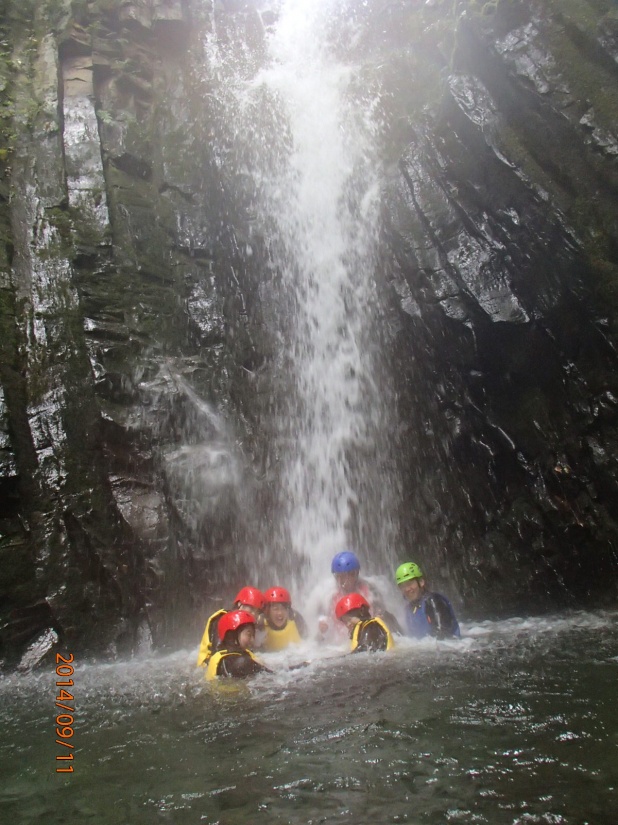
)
(517, 723)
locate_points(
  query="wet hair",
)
(359, 613)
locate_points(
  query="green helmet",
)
(408, 571)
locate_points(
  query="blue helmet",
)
(344, 562)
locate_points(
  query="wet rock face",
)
(133, 418)
(504, 231)
(125, 350)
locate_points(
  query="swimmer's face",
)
(277, 614)
(246, 636)
(350, 621)
(346, 582)
(412, 590)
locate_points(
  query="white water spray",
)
(312, 156)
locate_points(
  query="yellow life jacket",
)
(206, 646)
(390, 644)
(279, 639)
(213, 662)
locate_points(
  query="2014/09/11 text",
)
(64, 721)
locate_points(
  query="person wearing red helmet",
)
(249, 599)
(233, 657)
(367, 633)
(345, 568)
(284, 626)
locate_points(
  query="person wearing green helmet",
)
(427, 614)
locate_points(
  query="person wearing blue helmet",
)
(345, 568)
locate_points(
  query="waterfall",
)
(306, 133)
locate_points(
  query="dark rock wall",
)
(125, 343)
(503, 230)
(133, 353)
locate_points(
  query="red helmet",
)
(277, 595)
(353, 601)
(233, 620)
(251, 596)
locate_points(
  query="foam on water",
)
(150, 679)
(514, 724)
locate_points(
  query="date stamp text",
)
(65, 702)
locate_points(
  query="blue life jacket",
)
(433, 615)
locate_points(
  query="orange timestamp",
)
(64, 721)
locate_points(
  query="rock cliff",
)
(134, 352)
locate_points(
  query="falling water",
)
(308, 139)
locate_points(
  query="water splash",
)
(203, 472)
(307, 144)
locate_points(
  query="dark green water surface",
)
(518, 723)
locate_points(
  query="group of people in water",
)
(354, 610)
